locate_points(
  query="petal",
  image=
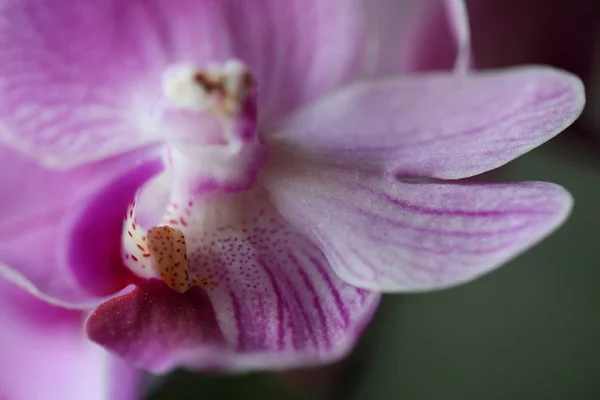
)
(437, 125)
(417, 35)
(156, 328)
(308, 47)
(36, 338)
(80, 80)
(275, 303)
(59, 233)
(397, 235)
(461, 31)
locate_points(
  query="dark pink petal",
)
(397, 235)
(438, 125)
(155, 327)
(417, 35)
(60, 231)
(45, 355)
(275, 303)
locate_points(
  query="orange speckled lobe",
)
(168, 249)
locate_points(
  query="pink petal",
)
(459, 25)
(80, 80)
(437, 125)
(417, 35)
(60, 231)
(397, 235)
(275, 303)
(67, 71)
(299, 49)
(46, 355)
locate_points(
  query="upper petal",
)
(459, 26)
(275, 302)
(416, 35)
(46, 355)
(80, 80)
(438, 125)
(67, 71)
(395, 235)
(60, 231)
(298, 49)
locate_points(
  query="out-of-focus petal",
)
(60, 231)
(298, 49)
(275, 303)
(73, 76)
(46, 355)
(81, 80)
(459, 25)
(416, 35)
(394, 235)
(438, 125)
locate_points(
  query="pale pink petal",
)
(401, 235)
(273, 302)
(457, 12)
(45, 355)
(437, 125)
(60, 232)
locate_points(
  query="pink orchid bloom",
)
(236, 183)
(45, 355)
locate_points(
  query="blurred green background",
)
(530, 330)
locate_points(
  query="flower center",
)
(209, 121)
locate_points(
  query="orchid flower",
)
(45, 355)
(236, 186)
